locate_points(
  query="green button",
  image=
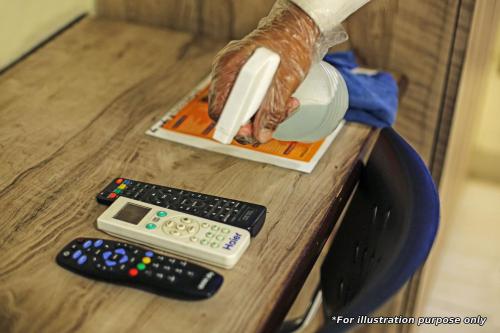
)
(204, 242)
(117, 191)
(141, 266)
(161, 213)
(150, 226)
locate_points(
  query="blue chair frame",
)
(386, 234)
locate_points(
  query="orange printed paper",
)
(193, 119)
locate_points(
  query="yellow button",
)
(146, 260)
(122, 187)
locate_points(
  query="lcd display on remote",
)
(132, 213)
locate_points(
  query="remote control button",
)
(167, 268)
(219, 237)
(119, 181)
(204, 242)
(122, 267)
(122, 187)
(141, 266)
(178, 270)
(225, 230)
(66, 253)
(215, 228)
(156, 219)
(149, 254)
(193, 239)
(82, 260)
(128, 182)
(117, 191)
(77, 254)
(98, 243)
(171, 260)
(191, 229)
(156, 265)
(209, 234)
(112, 195)
(159, 276)
(123, 259)
(174, 233)
(190, 273)
(146, 260)
(205, 225)
(161, 213)
(120, 251)
(87, 244)
(171, 278)
(110, 263)
(186, 219)
(148, 272)
(150, 226)
(170, 223)
(160, 258)
(214, 244)
(106, 255)
(183, 263)
(181, 226)
(133, 272)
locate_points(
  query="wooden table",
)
(72, 117)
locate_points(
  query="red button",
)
(133, 272)
(112, 195)
(119, 181)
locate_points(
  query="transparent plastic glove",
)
(294, 36)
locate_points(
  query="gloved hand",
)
(293, 35)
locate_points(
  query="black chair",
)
(386, 235)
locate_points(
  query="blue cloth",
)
(373, 99)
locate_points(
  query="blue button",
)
(82, 260)
(123, 260)
(98, 243)
(110, 263)
(87, 244)
(149, 254)
(77, 254)
(106, 255)
(120, 251)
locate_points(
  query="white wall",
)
(485, 161)
(25, 23)
(488, 136)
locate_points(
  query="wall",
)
(25, 23)
(485, 160)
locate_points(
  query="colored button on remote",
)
(106, 255)
(161, 213)
(141, 266)
(120, 251)
(119, 181)
(110, 263)
(149, 254)
(77, 254)
(150, 226)
(82, 260)
(112, 195)
(98, 243)
(123, 259)
(87, 244)
(133, 272)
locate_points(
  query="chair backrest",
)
(386, 234)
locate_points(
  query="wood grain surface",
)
(72, 117)
(417, 39)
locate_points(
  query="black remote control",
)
(128, 264)
(236, 213)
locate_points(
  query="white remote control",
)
(187, 235)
